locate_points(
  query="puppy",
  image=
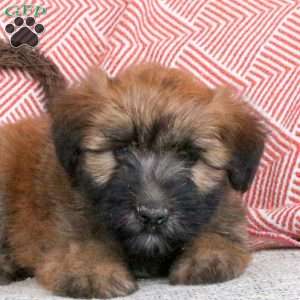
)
(134, 176)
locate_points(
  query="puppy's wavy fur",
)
(72, 183)
(35, 63)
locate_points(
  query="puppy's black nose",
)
(152, 216)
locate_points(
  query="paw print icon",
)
(24, 32)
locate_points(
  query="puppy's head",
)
(153, 151)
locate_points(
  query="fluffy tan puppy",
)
(134, 176)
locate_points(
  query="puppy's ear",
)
(71, 115)
(67, 136)
(242, 135)
(247, 151)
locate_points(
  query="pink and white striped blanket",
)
(251, 45)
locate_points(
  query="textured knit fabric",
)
(273, 275)
(250, 45)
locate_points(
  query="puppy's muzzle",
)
(152, 216)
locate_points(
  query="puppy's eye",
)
(123, 150)
(190, 156)
(189, 152)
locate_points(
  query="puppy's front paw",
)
(85, 270)
(104, 281)
(113, 282)
(103, 285)
(209, 265)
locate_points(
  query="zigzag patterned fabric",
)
(250, 45)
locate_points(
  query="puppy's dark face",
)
(153, 151)
(151, 199)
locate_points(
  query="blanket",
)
(252, 46)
